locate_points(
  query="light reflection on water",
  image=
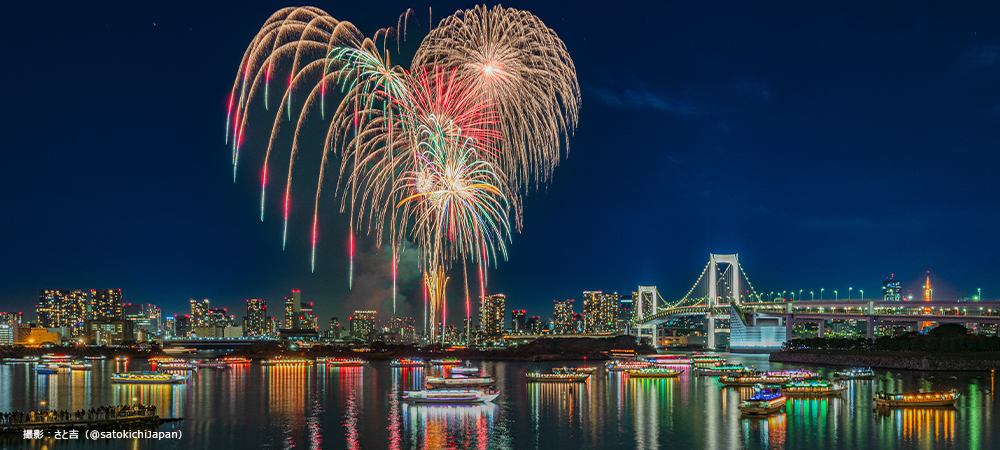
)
(323, 407)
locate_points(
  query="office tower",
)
(535, 325)
(492, 314)
(624, 312)
(517, 321)
(362, 324)
(106, 304)
(892, 290)
(307, 319)
(293, 309)
(67, 308)
(255, 323)
(183, 326)
(600, 311)
(199, 313)
(562, 316)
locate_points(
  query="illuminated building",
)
(600, 311)
(30, 335)
(928, 292)
(182, 326)
(334, 328)
(307, 320)
(199, 313)
(578, 323)
(255, 322)
(517, 323)
(218, 318)
(362, 324)
(144, 317)
(105, 304)
(11, 318)
(892, 290)
(491, 315)
(293, 308)
(562, 316)
(8, 334)
(624, 312)
(534, 324)
(170, 326)
(66, 308)
(401, 329)
(273, 325)
(108, 332)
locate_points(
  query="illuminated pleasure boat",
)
(668, 359)
(174, 366)
(588, 370)
(450, 396)
(147, 378)
(765, 400)
(654, 373)
(724, 369)
(26, 359)
(164, 359)
(855, 373)
(621, 366)
(286, 362)
(811, 389)
(752, 379)
(235, 360)
(536, 377)
(95, 358)
(446, 362)
(80, 366)
(441, 382)
(707, 360)
(795, 374)
(345, 362)
(467, 369)
(122, 358)
(406, 362)
(921, 399)
(56, 358)
(217, 364)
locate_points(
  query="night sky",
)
(830, 146)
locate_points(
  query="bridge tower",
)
(654, 300)
(713, 297)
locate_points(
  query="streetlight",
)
(782, 295)
(980, 296)
(812, 295)
(821, 293)
(770, 296)
(793, 295)
(835, 295)
(800, 294)
(862, 294)
(849, 292)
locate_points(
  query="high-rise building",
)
(335, 328)
(63, 308)
(199, 313)
(892, 290)
(144, 317)
(8, 333)
(362, 324)
(307, 319)
(255, 322)
(600, 311)
(579, 323)
(624, 312)
(517, 321)
(562, 316)
(293, 308)
(108, 332)
(535, 325)
(183, 326)
(106, 304)
(491, 315)
(11, 318)
(170, 326)
(217, 317)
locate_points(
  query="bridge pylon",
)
(713, 297)
(642, 312)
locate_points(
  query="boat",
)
(95, 358)
(464, 370)
(654, 373)
(765, 400)
(702, 360)
(795, 374)
(811, 389)
(753, 379)
(174, 366)
(450, 396)
(26, 359)
(345, 362)
(446, 362)
(121, 358)
(43, 369)
(536, 377)
(211, 364)
(724, 369)
(164, 359)
(668, 359)
(56, 358)
(235, 360)
(621, 366)
(406, 362)
(280, 361)
(920, 399)
(588, 370)
(441, 382)
(81, 366)
(147, 378)
(855, 373)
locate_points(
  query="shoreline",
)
(970, 362)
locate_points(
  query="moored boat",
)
(96, 357)
(621, 366)
(536, 377)
(811, 389)
(446, 362)
(654, 373)
(174, 366)
(753, 379)
(450, 396)
(235, 360)
(724, 369)
(406, 362)
(668, 359)
(46, 369)
(80, 366)
(765, 400)
(286, 362)
(464, 370)
(441, 382)
(121, 358)
(795, 374)
(345, 362)
(147, 378)
(588, 370)
(216, 364)
(26, 359)
(702, 360)
(920, 399)
(855, 373)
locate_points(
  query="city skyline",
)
(862, 160)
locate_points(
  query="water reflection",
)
(765, 432)
(286, 400)
(928, 425)
(168, 398)
(451, 426)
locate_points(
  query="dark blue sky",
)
(828, 145)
